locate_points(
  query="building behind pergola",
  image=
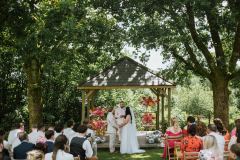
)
(126, 73)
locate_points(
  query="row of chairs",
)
(177, 154)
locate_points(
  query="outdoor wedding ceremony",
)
(119, 80)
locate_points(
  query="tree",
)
(201, 35)
(48, 33)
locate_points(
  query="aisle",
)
(150, 154)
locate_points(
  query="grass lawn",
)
(150, 154)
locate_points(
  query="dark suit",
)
(20, 152)
(50, 146)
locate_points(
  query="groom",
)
(120, 112)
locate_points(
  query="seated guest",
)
(191, 143)
(58, 130)
(190, 120)
(237, 123)
(91, 136)
(41, 147)
(235, 151)
(175, 131)
(4, 154)
(235, 138)
(33, 135)
(20, 152)
(69, 131)
(5, 143)
(59, 150)
(75, 132)
(35, 155)
(40, 133)
(13, 134)
(201, 129)
(221, 129)
(80, 146)
(16, 142)
(50, 140)
(210, 151)
(212, 130)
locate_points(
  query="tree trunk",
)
(221, 99)
(34, 92)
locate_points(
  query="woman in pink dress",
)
(173, 131)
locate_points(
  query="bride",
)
(129, 142)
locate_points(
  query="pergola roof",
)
(126, 73)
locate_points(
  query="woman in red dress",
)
(173, 131)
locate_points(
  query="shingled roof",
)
(126, 73)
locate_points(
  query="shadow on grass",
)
(150, 154)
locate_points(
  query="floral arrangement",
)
(97, 122)
(148, 118)
(98, 112)
(148, 101)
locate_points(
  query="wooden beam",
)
(124, 87)
(155, 91)
(83, 106)
(169, 105)
(158, 111)
(163, 119)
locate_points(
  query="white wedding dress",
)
(129, 141)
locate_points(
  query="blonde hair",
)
(210, 142)
(174, 121)
(35, 155)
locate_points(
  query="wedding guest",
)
(210, 149)
(222, 129)
(50, 140)
(35, 155)
(13, 134)
(58, 129)
(75, 132)
(175, 131)
(190, 121)
(111, 129)
(212, 130)
(4, 154)
(16, 142)
(33, 135)
(59, 150)
(119, 115)
(235, 151)
(235, 137)
(80, 146)
(20, 152)
(41, 147)
(191, 143)
(91, 135)
(5, 143)
(69, 131)
(201, 129)
(237, 124)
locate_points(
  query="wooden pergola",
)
(128, 74)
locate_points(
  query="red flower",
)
(148, 101)
(98, 111)
(98, 124)
(148, 118)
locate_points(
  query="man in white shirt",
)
(120, 113)
(33, 135)
(69, 131)
(13, 134)
(111, 129)
(91, 135)
(212, 130)
(80, 146)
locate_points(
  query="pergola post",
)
(83, 106)
(169, 105)
(158, 110)
(162, 96)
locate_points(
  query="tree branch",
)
(197, 40)
(189, 64)
(214, 31)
